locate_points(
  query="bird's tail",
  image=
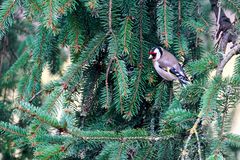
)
(184, 80)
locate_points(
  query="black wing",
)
(183, 79)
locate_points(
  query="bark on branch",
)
(225, 27)
(229, 55)
(228, 35)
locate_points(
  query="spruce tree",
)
(110, 103)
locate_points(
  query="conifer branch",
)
(6, 16)
(66, 5)
(147, 152)
(122, 76)
(123, 136)
(35, 5)
(140, 65)
(126, 34)
(184, 152)
(165, 24)
(124, 139)
(50, 19)
(179, 13)
(120, 151)
(7, 13)
(63, 43)
(113, 136)
(110, 16)
(12, 129)
(76, 46)
(38, 114)
(106, 81)
(83, 62)
(208, 97)
(141, 34)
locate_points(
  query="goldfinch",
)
(167, 66)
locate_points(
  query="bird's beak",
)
(150, 57)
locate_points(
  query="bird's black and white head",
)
(155, 53)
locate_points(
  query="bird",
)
(167, 65)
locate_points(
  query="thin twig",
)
(192, 130)
(179, 13)
(141, 33)
(165, 23)
(110, 16)
(35, 95)
(199, 145)
(106, 81)
(122, 138)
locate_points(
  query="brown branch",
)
(228, 56)
(35, 95)
(125, 48)
(114, 57)
(199, 145)
(141, 34)
(165, 24)
(66, 5)
(50, 14)
(106, 81)
(110, 16)
(184, 153)
(179, 14)
(76, 46)
(35, 5)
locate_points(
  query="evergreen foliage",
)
(110, 103)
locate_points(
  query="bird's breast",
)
(164, 73)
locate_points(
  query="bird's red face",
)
(152, 55)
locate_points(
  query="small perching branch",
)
(228, 56)
(114, 136)
(199, 145)
(193, 130)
